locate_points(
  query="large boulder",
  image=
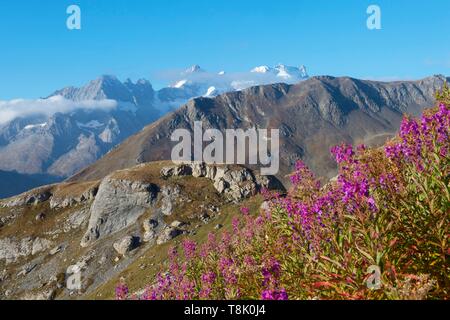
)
(168, 234)
(149, 226)
(118, 204)
(126, 245)
(170, 194)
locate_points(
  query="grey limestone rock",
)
(118, 204)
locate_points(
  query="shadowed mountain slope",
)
(312, 116)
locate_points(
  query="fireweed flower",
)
(372, 204)
(299, 173)
(343, 153)
(208, 277)
(121, 292)
(228, 270)
(245, 211)
(393, 151)
(409, 127)
(235, 223)
(271, 272)
(267, 295)
(190, 248)
(282, 295)
(249, 261)
(361, 148)
(274, 295)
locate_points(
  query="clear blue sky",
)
(142, 38)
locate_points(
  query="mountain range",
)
(55, 137)
(312, 116)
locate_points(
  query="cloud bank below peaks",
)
(21, 108)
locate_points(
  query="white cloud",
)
(12, 109)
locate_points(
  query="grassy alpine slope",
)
(388, 209)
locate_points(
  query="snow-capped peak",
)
(261, 69)
(286, 73)
(196, 82)
(193, 69)
(179, 84)
(212, 91)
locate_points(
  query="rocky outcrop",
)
(168, 234)
(40, 296)
(149, 226)
(235, 182)
(49, 193)
(11, 249)
(76, 220)
(118, 204)
(177, 171)
(169, 197)
(32, 197)
(57, 202)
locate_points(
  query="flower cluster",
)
(274, 295)
(122, 292)
(387, 207)
(418, 138)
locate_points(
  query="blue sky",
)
(148, 38)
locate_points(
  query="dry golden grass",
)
(148, 172)
(73, 189)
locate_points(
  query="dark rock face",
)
(312, 116)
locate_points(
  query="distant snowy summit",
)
(284, 72)
(74, 126)
(194, 69)
(200, 82)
